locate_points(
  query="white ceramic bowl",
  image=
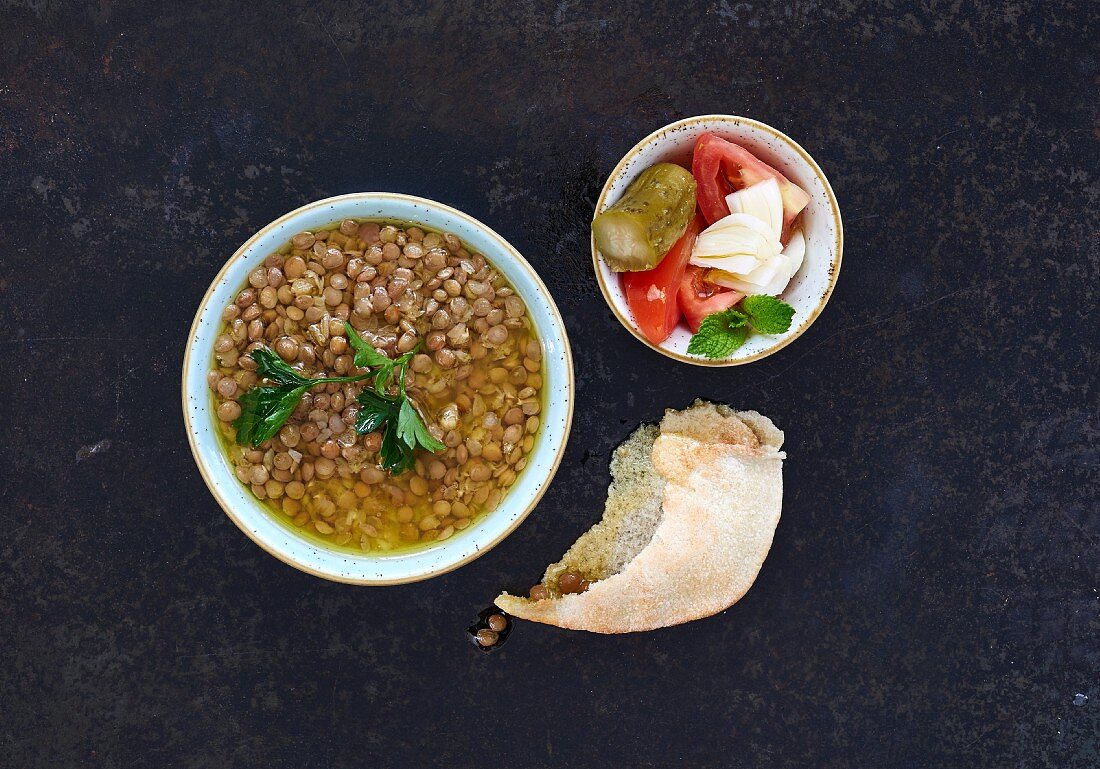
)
(810, 288)
(308, 555)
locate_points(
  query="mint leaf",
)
(767, 314)
(719, 334)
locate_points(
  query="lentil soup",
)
(477, 381)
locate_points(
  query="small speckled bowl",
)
(810, 288)
(341, 565)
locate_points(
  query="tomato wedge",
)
(720, 167)
(651, 294)
(698, 299)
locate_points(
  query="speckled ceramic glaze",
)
(281, 541)
(811, 286)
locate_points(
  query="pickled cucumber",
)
(639, 229)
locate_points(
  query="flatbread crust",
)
(722, 497)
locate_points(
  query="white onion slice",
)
(771, 277)
(737, 243)
(781, 279)
(762, 201)
(729, 280)
(738, 282)
(796, 247)
(767, 270)
(774, 272)
(792, 255)
(736, 221)
(739, 264)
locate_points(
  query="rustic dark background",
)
(931, 599)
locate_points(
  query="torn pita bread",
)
(689, 519)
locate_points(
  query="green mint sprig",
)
(720, 334)
(767, 315)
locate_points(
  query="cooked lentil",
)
(478, 382)
(487, 637)
(497, 622)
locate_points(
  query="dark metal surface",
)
(931, 597)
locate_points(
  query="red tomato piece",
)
(698, 299)
(711, 185)
(651, 294)
(721, 167)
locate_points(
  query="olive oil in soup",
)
(476, 379)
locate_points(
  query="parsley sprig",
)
(403, 431)
(265, 409)
(723, 332)
(368, 357)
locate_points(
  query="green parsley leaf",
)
(767, 314)
(382, 413)
(719, 334)
(365, 355)
(271, 366)
(402, 429)
(368, 357)
(264, 410)
(396, 455)
(376, 411)
(412, 431)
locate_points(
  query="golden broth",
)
(477, 382)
